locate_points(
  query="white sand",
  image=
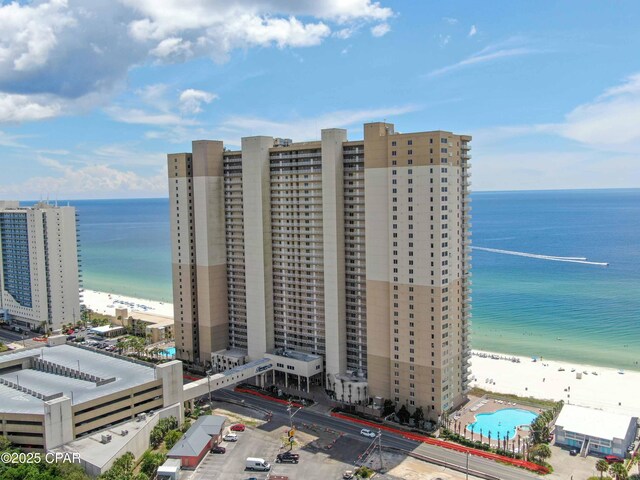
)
(107, 303)
(608, 390)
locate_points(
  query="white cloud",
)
(54, 52)
(486, 55)
(473, 31)
(7, 140)
(301, 129)
(172, 48)
(31, 32)
(15, 108)
(608, 123)
(611, 121)
(450, 20)
(97, 180)
(138, 116)
(514, 169)
(380, 30)
(191, 100)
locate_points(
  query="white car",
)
(365, 432)
(230, 437)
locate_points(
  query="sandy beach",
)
(107, 303)
(599, 387)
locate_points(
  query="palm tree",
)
(602, 466)
(472, 432)
(619, 471)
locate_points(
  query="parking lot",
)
(264, 443)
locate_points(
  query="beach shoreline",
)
(604, 388)
(544, 379)
(106, 303)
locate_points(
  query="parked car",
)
(218, 449)
(613, 459)
(287, 457)
(347, 475)
(573, 452)
(257, 464)
(238, 427)
(365, 432)
(230, 437)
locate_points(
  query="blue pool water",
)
(170, 352)
(501, 422)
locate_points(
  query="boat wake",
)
(553, 258)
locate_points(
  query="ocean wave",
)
(553, 258)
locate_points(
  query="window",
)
(409, 142)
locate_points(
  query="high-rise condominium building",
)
(39, 279)
(354, 252)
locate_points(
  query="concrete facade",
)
(39, 265)
(53, 395)
(355, 251)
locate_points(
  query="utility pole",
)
(209, 385)
(380, 450)
(467, 474)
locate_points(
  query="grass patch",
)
(538, 402)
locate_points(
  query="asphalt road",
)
(352, 430)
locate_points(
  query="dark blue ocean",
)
(527, 306)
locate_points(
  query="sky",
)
(95, 93)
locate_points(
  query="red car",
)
(613, 459)
(238, 427)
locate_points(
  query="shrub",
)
(172, 437)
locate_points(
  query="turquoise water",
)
(169, 352)
(521, 305)
(502, 422)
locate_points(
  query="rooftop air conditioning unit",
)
(106, 438)
(124, 433)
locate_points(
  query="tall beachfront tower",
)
(39, 274)
(355, 252)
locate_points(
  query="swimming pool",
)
(503, 421)
(169, 352)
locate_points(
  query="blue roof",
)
(198, 436)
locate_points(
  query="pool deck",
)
(476, 405)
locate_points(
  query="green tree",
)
(150, 462)
(602, 466)
(388, 408)
(122, 468)
(403, 414)
(186, 426)
(541, 451)
(418, 416)
(172, 437)
(619, 471)
(155, 437)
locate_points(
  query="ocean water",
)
(525, 306)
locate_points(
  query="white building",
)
(595, 431)
(39, 279)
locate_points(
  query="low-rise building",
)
(194, 445)
(52, 395)
(595, 431)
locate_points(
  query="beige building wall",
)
(355, 250)
(211, 255)
(415, 257)
(257, 244)
(183, 254)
